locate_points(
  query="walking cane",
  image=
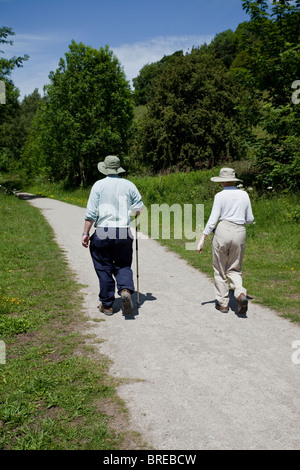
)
(137, 261)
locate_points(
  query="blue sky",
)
(137, 31)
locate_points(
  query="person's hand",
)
(85, 240)
(200, 244)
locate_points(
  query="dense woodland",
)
(236, 99)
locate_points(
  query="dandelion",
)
(292, 269)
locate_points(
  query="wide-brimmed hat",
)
(111, 166)
(226, 175)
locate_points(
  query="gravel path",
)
(201, 379)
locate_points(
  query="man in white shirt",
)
(232, 209)
(111, 203)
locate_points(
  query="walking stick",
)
(137, 261)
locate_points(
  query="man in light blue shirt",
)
(111, 203)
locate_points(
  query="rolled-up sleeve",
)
(92, 205)
(136, 201)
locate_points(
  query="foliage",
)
(191, 120)
(14, 131)
(9, 112)
(275, 51)
(7, 65)
(143, 86)
(223, 102)
(274, 66)
(86, 115)
(278, 164)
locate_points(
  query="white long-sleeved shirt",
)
(111, 202)
(231, 204)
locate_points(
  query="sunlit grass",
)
(54, 395)
(271, 265)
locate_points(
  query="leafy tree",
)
(275, 64)
(225, 46)
(143, 83)
(7, 65)
(278, 162)
(18, 128)
(87, 114)
(191, 120)
(9, 111)
(274, 46)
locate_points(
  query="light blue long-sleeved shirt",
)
(231, 204)
(112, 201)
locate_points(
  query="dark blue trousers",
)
(111, 252)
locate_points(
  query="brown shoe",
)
(106, 311)
(222, 309)
(126, 300)
(242, 304)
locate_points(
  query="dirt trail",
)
(202, 379)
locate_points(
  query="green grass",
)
(271, 265)
(56, 393)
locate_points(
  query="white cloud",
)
(46, 50)
(44, 53)
(30, 43)
(134, 56)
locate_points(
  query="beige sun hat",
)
(226, 175)
(111, 166)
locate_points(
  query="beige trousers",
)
(228, 251)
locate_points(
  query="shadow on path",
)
(232, 304)
(27, 196)
(148, 297)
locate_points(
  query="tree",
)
(143, 83)
(274, 46)
(275, 64)
(18, 128)
(225, 46)
(191, 121)
(9, 111)
(7, 65)
(87, 114)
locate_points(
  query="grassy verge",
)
(56, 394)
(271, 267)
